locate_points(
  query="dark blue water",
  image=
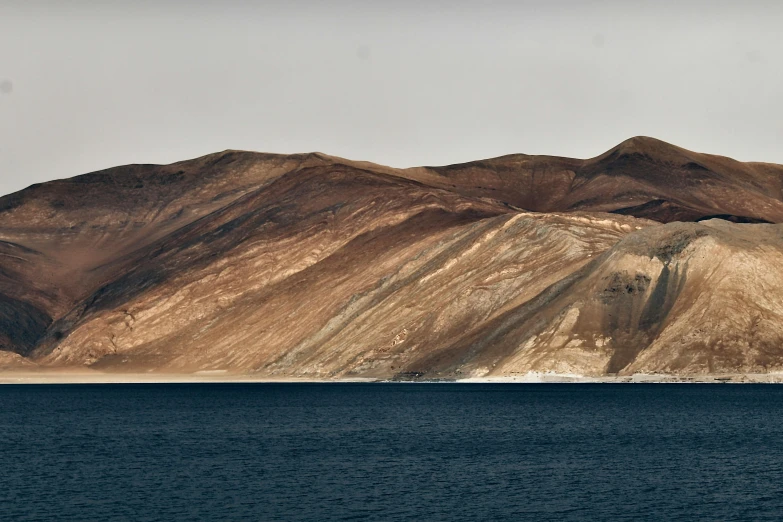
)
(391, 452)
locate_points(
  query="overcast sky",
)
(86, 85)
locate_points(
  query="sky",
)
(87, 85)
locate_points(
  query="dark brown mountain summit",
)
(641, 177)
(314, 266)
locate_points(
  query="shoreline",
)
(73, 377)
(217, 377)
(734, 378)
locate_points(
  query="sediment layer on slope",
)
(683, 298)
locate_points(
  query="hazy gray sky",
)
(86, 85)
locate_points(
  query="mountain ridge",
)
(314, 265)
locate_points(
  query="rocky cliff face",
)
(315, 266)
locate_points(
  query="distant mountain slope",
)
(641, 177)
(312, 265)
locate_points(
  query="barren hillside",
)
(648, 258)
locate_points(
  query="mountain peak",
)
(645, 145)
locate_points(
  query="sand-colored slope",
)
(683, 298)
(366, 297)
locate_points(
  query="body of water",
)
(391, 452)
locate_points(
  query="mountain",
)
(646, 259)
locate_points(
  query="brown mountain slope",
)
(310, 265)
(364, 297)
(59, 241)
(642, 177)
(257, 249)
